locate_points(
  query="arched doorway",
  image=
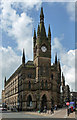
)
(44, 102)
(29, 101)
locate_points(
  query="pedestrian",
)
(71, 108)
(52, 110)
(68, 111)
(55, 107)
(45, 109)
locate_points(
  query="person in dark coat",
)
(52, 110)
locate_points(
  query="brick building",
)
(37, 83)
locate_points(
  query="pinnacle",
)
(41, 16)
(38, 31)
(56, 58)
(49, 31)
(23, 57)
(34, 33)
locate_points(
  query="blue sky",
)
(57, 18)
(18, 23)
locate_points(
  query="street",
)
(61, 113)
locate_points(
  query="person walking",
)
(52, 110)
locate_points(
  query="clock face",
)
(43, 48)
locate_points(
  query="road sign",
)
(67, 103)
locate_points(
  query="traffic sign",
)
(67, 103)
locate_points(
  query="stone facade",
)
(3, 96)
(65, 91)
(35, 84)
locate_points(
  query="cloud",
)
(9, 63)
(19, 26)
(71, 10)
(58, 0)
(67, 59)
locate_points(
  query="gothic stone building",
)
(65, 91)
(35, 84)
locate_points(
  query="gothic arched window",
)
(29, 101)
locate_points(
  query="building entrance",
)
(44, 102)
(29, 101)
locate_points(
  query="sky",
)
(17, 22)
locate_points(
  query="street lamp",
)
(71, 96)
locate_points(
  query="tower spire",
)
(41, 16)
(23, 57)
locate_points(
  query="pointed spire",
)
(56, 58)
(38, 30)
(41, 16)
(59, 65)
(49, 31)
(23, 57)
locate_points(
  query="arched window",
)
(44, 102)
(52, 76)
(29, 101)
(42, 84)
(46, 84)
(29, 85)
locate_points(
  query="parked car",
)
(3, 109)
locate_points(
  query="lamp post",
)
(71, 97)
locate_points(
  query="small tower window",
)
(52, 76)
(46, 84)
(42, 84)
(29, 85)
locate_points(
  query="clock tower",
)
(42, 50)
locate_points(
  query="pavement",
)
(60, 113)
